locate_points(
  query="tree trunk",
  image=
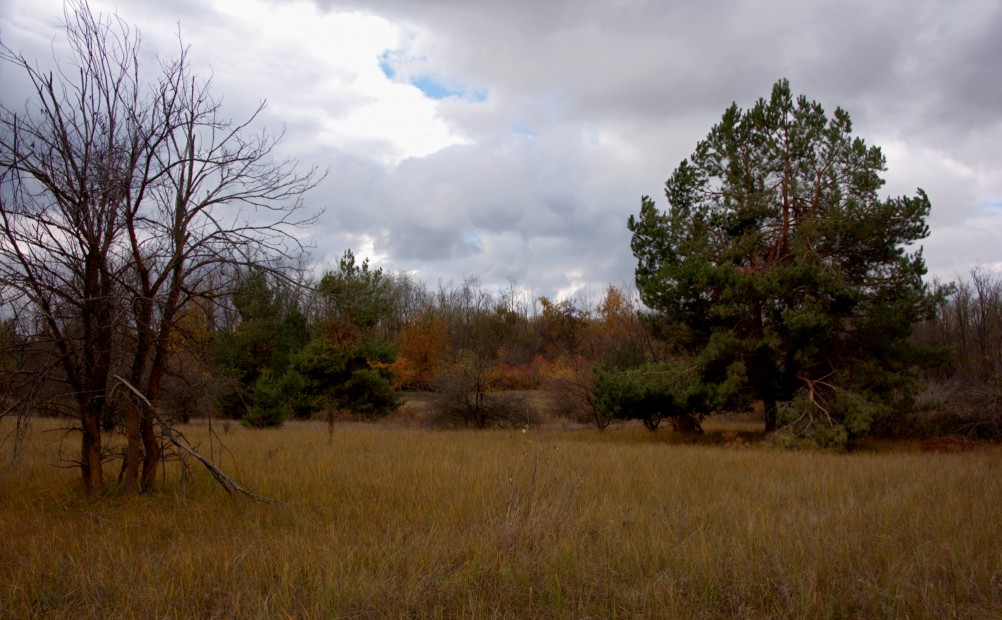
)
(152, 453)
(771, 409)
(133, 447)
(152, 450)
(90, 454)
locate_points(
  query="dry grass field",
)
(385, 521)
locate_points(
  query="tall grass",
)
(387, 522)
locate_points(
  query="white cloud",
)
(322, 72)
(318, 71)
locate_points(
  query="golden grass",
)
(385, 522)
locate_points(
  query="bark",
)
(771, 408)
(134, 451)
(133, 448)
(90, 461)
(152, 449)
(151, 454)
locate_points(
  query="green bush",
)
(651, 393)
(354, 378)
(827, 421)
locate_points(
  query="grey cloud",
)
(515, 209)
(412, 242)
(920, 74)
(640, 58)
(973, 95)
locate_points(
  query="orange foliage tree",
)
(424, 347)
(611, 336)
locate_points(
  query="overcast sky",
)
(511, 139)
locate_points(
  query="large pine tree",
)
(784, 267)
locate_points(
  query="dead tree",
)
(127, 198)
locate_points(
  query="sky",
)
(511, 140)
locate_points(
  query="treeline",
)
(356, 339)
(965, 383)
(352, 341)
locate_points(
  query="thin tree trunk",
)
(90, 452)
(152, 451)
(771, 409)
(133, 448)
(151, 454)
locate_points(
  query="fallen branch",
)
(228, 484)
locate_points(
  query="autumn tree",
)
(610, 338)
(563, 326)
(128, 194)
(423, 351)
(616, 336)
(470, 385)
(189, 384)
(785, 268)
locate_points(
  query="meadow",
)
(390, 521)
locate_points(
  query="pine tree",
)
(785, 269)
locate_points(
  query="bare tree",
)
(967, 329)
(126, 200)
(469, 387)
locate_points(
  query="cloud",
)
(650, 78)
(513, 139)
